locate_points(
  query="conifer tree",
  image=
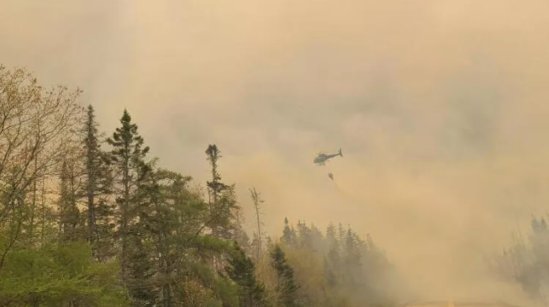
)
(164, 221)
(286, 286)
(288, 235)
(241, 270)
(96, 188)
(166, 258)
(222, 205)
(304, 235)
(140, 269)
(128, 157)
(333, 257)
(331, 237)
(222, 199)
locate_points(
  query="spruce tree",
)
(241, 270)
(97, 187)
(331, 237)
(286, 286)
(352, 259)
(128, 157)
(222, 199)
(288, 234)
(333, 258)
(140, 268)
(222, 205)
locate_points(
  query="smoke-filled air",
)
(254, 153)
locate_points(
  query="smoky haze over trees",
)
(88, 220)
(525, 260)
(439, 105)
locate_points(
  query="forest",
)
(89, 219)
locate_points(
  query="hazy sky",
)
(440, 107)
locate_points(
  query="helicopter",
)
(322, 157)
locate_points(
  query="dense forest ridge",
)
(81, 225)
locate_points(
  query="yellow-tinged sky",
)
(440, 106)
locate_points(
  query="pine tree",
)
(222, 199)
(331, 237)
(140, 269)
(222, 205)
(241, 270)
(352, 259)
(97, 187)
(288, 234)
(128, 156)
(160, 222)
(341, 233)
(333, 257)
(317, 240)
(304, 235)
(286, 285)
(163, 221)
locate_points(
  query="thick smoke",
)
(438, 106)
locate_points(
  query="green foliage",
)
(97, 188)
(132, 189)
(242, 271)
(53, 275)
(286, 286)
(227, 292)
(335, 269)
(71, 229)
(152, 239)
(222, 200)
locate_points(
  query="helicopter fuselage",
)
(320, 159)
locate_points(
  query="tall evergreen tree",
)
(222, 204)
(141, 269)
(97, 187)
(286, 286)
(304, 234)
(241, 270)
(222, 198)
(331, 235)
(288, 235)
(164, 220)
(128, 157)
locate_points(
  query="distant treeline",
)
(526, 260)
